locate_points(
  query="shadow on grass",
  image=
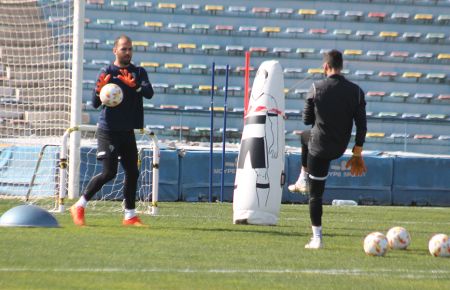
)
(246, 229)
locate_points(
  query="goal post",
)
(148, 168)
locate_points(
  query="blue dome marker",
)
(28, 216)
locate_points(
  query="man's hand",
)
(127, 78)
(103, 79)
(356, 163)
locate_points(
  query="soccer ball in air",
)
(398, 238)
(375, 244)
(439, 245)
(111, 95)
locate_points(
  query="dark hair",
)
(333, 58)
(123, 36)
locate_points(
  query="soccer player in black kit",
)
(331, 107)
(115, 130)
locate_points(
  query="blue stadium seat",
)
(145, 5)
(178, 26)
(399, 16)
(292, 71)
(364, 73)
(411, 116)
(411, 36)
(435, 37)
(387, 114)
(163, 46)
(203, 28)
(237, 9)
(295, 31)
(233, 89)
(198, 68)
(443, 19)
(399, 135)
(160, 87)
(284, 12)
(305, 51)
(234, 49)
(439, 77)
(279, 51)
(356, 15)
(376, 53)
(106, 22)
(332, 13)
(103, 62)
(248, 29)
(426, 96)
(365, 33)
(122, 4)
(423, 55)
(129, 23)
(342, 32)
(208, 48)
(184, 88)
(436, 117)
(92, 42)
(444, 137)
(399, 94)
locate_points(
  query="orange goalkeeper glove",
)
(103, 79)
(127, 78)
(356, 163)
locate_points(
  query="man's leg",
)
(301, 185)
(318, 172)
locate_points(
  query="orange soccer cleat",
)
(77, 213)
(134, 222)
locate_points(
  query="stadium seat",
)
(208, 48)
(423, 136)
(412, 75)
(318, 31)
(302, 93)
(107, 22)
(426, 18)
(148, 106)
(342, 32)
(122, 4)
(173, 66)
(149, 64)
(423, 55)
(426, 96)
(248, 29)
(270, 30)
(357, 15)
(238, 110)
(191, 8)
(137, 44)
(375, 94)
(179, 27)
(444, 97)
(439, 77)
(241, 69)
(233, 89)
(436, 117)
(388, 34)
(264, 11)
(364, 73)
(143, 4)
(435, 37)
(399, 135)
(376, 53)
(237, 9)
(194, 108)
(129, 23)
(213, 9)
(87, 21)
(206, 88)
(169, 107)
(443, 19)
(387, 115)
(195, 68)
(217, 109)
(202, 129)
(403, 95)
(87, 84)
(445, 56)
(167, 6)
(98, 3)
(162, 46)
(183, 87)
(292, 70)
(305, 51)
(411, 116)
(401, 17)
(155, 127)
(162, 87)
(284, 12)
(92, 42)
(307, 12)
(258, 50)
(377, 15)
(221, 69)
(224, 29)
(203, 28)
(185, 46)
(294, 31)
(375, 134)
(444, 137)
(364, 33)
(279, 51)
(315, 71)
(411, 36)
(400, 54)
(390, 74)
(234, 49)
(333, 13)
(353, 52)
(155, 25)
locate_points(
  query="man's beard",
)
(125, 62)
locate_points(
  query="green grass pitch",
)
(196, 246)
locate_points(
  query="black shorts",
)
(111, 144)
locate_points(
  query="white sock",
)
(82, 202)
(130, 213)
(303, 175)
(317, 232)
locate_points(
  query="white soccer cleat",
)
(315, 244)
(301, 186)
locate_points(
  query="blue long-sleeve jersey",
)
(129, 114)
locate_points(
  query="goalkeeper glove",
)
(356, 163)
(103, 79)
(127, 78)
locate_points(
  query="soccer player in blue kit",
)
(115, 130)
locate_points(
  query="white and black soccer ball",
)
(111, 95)
(439, 245)
(398, 238)
(375, 244)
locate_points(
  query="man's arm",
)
(102, 79)
(308, 111)
(360, 120)
(145, 88)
